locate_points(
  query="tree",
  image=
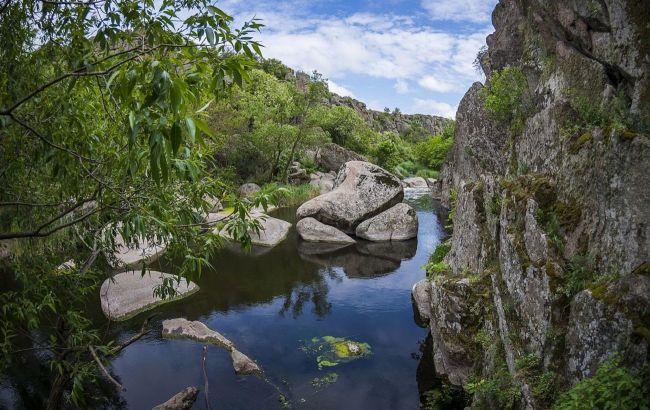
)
(103, 132)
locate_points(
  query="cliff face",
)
(547, 275)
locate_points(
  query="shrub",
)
(432, 152)
(611, 387)
(504, 96)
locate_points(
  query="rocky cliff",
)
(547, 275)
(392, 121)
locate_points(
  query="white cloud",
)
(475, 11)
(434, 107)
(432, 83)
(339, 89)
(417, 58)
(401, 86)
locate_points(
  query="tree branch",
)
(45, 140)
(39, 233)
(101, 366)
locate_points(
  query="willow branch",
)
(101, 366)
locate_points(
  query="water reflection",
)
(363, 260)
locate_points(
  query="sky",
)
(415, 55)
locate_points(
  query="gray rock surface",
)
(361, 191)
(415, 182)
(243, 364)
(536, 198)
(324, 181)
(128, 293)
(311, 230)
(398, 223)
(248, 189)
(421, 295)
(181, 328)
(183, 400)
(132, 256)
(598, 331)
(272, 231)
(332, 157)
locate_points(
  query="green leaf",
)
(191, 128)
(176, 137)
(203, 126)
(210, 35)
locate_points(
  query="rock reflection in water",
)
(363, 260)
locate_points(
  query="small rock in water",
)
(353, 348)
(183, 400)
(243, 364)
(182, 328)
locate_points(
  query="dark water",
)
(268, 303)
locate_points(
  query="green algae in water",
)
(331, 351)
(321, 382)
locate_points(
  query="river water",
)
(270, 302)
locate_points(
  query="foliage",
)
(346, 128)
(504, 96)
(433, 151)
(438, 398)
(275, 120)
(292, 195)
(580, 274)
(103, 127)
(611, 387)
(614, 114)
(276, 68)
(391, 151)
(500, 388)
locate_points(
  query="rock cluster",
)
(365, 201)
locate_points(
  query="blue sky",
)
(413, 54)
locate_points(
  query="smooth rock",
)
(332, 156)
(361, 191)
(311, 230)
(243, 365)
(181, 328)
(214, 204)
(248, 189)
(132, 256)
(128, 293)
(183, 400)
(415, 182)
(395, 224)
(272, 231)
(422, 301)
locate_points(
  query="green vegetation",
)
(321, 382)
(611, 387)
(330, 351)
(501, 389)
(614, 115)
(435, 266)
(505, 97)
(104, 129)
(291, 195)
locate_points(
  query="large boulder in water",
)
(129, 293)
(311, 230)
(272, 230)
(361, 191)
(398, 223)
